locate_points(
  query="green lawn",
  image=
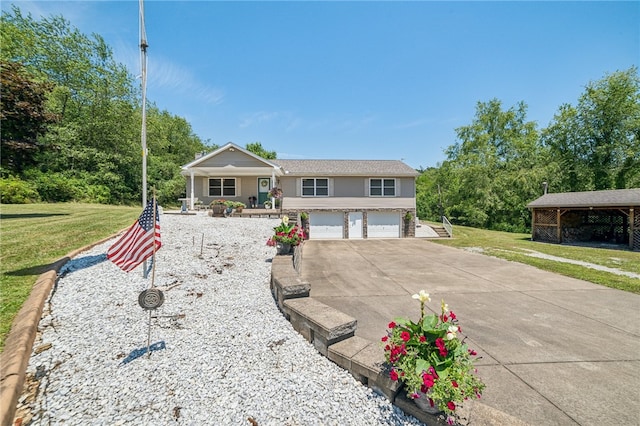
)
(515, 247)
(32, 236)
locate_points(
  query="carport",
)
(606, 217)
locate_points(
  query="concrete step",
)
(440, 231)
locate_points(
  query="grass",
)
(514, 247)
(33, 236)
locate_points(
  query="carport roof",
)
(586, 199)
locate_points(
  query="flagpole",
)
(153, 268)
(143, 133)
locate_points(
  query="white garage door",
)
(326, 226)
(383, 225)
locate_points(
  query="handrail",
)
(447, 226)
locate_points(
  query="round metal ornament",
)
(151, 298)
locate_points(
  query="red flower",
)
(393, 375)
(454, 383)
(405, 336)
(423, 339)
(472, 352)
(441, 347)
(427, 380)
(392, 324)
(384, 338)
(451, 406)
(444, 318)
(452, 315)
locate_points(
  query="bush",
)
(14, 190)
(55, 187)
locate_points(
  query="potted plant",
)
(218, 207)
(239, 206)
(286, 236)
(429, 358)
(267, 204)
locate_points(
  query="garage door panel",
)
(383, 225)
(326, 226)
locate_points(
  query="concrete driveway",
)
(556, 350)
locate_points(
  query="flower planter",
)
(218, 209)
(424, 404)
(283, 249)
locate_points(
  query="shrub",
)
(14, 190)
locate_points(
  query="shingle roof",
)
(608, 198)
(345, 168)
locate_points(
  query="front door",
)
(263, 189)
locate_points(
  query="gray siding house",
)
(344, 198)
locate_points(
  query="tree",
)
(495, 169)
(23, 115)
(257, 149)
(598, 140)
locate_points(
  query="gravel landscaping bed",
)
(226, 355)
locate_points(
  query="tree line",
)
(501, 160)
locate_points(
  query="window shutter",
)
(205, 187)
(398, 186)
(238, 187)
(298, 187)
(330, 187)
(367, 193)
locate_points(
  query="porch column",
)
(273, 185)
(191, 206)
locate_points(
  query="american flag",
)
(136, 245)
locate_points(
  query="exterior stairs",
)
(442, 233)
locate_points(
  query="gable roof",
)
(586, 199)
(230, 147)
(390, 168)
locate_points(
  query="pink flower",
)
(423, 339)
(451, 406)
(452, 315)
(405, 336)
(454, 383)
(472, 352)
(384, 338)
(392, 324)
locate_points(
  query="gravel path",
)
(229, 356)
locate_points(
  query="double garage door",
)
(330, 225)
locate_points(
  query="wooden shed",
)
(609, 217)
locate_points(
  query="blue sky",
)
(359, 80)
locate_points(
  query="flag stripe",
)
(137, 244)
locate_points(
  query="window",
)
(315, 187)
(382, 187)
(222, 187)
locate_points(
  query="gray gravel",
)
(230, 357)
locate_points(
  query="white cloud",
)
(258, 118)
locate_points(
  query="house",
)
(344, 198)
(610, 216)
